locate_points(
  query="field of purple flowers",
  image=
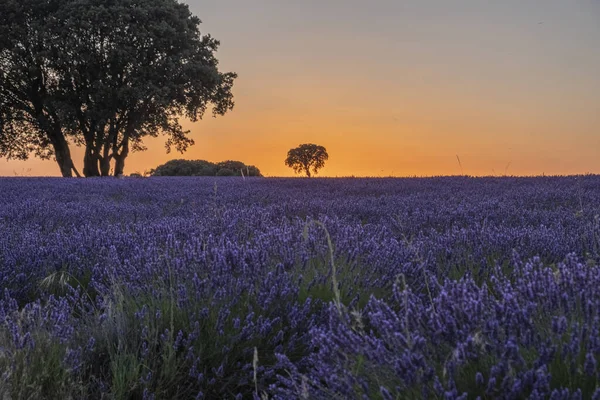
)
(182, 288)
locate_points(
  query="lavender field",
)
(183, 288)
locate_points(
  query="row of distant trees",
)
(204, 168)
(306, 158)
(104, 75)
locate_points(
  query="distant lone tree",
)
(104, 75)
(307, 157)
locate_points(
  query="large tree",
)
(30, 110)
(307, 157)
(124, 70)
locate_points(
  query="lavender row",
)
(196, 287)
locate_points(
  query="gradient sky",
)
(399, 87)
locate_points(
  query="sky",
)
(399, 87)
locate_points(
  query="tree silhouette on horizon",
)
(307, 157)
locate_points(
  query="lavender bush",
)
(164, 288)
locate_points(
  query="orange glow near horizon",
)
(399, 88)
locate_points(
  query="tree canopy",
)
(307, 157)
(204, 168)
(103, 74)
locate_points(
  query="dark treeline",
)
(204, 168)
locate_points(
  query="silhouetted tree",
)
(204, 168)
(307, 157)
(103, 74)
(31, 121)
(225, 172)
(238, 168)
(185, 168)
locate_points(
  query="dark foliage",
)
(204, 168)
(104, 74)
(306, 158)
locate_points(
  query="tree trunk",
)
(90, 163)
(307, 170)
(50, 125)
(119, 165)
(106, 156)
(120, 159)
(64, 162)
(105, 166)
(62, 154)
